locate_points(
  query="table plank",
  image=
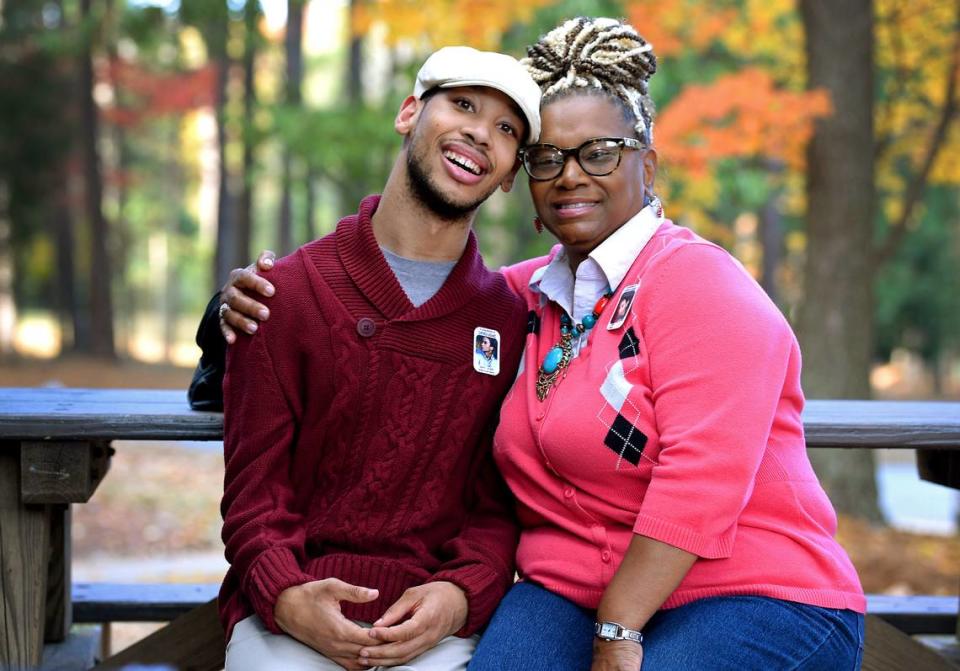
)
(134, 414)
(155, 414)
(882, 424)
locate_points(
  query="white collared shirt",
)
(604, 267)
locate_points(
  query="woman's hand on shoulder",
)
(239, 312)
(616, 656)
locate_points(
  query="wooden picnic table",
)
(54, 450)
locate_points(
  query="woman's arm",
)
(718, 354)
(649, 573)
(215, 331)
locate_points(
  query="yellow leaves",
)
(667, 24)
(766, 29)
(740, 115)
(914, 54)
(947, 166)
(762, 31)
(478, 23)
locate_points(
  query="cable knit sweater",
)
(357, 433)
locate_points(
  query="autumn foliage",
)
(478, 23)
(150, 94)
(740, 115)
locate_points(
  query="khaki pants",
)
(253, 648)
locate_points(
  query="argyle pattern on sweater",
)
(683, 425)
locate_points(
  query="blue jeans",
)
(536, 630)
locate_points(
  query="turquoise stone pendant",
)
(552, 360)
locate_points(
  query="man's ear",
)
(408, 114)
(507, 183)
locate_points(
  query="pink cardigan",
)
(682, 425)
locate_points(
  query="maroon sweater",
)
(357, 433)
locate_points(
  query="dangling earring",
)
(654, 200)
(537, 224)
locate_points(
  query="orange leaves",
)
(156, 94)
(742, 114)
(674, 25)
(478, 23)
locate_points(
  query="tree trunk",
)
(65, 241)
(293, 43)
(771, 231)
(355, 64)
(126, 294)
(101, 303)
(8, 310)
(244, 231)
(310, 215)
(351, 191)
(226, 240)
(836, 319)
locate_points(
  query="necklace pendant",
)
(554, 364)
(552, 361)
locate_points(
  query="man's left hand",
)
(420, 618)
(617, 656)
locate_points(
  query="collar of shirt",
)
(606, 266)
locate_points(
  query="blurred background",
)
(149, 146)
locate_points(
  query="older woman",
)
(653, 437)
(669, 512)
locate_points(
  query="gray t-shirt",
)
(419, 279)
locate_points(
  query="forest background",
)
(147, 147)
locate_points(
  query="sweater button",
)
(605, 556)
(366, 327)
(568, 493)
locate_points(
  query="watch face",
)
(608, 630)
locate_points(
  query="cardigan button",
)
(605, 556)
(568, 493)
(366, 327)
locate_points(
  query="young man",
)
(364, 521)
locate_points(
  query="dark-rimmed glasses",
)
(598, 157)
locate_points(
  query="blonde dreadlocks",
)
(597, 55)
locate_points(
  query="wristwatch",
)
(611, 631)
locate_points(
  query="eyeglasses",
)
(598, 157)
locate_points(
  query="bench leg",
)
(192, 642)
(24, 540)
(889, 649)
(59, 610)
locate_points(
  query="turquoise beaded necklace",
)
(558, 358)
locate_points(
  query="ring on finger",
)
(223, 309)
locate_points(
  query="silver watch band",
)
(614, 631)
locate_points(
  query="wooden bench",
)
(162, 602)
(95, 602)
(54, 449)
